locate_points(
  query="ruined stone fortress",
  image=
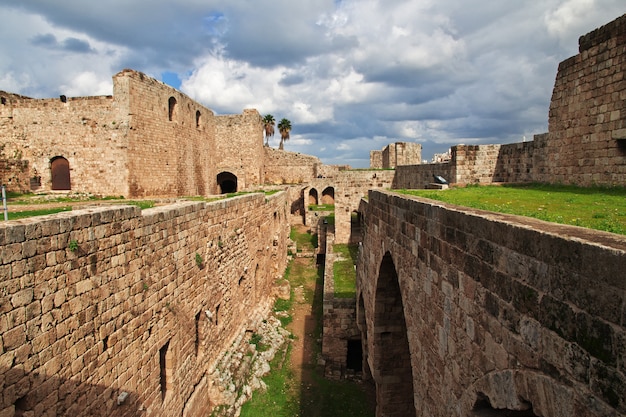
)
(459, 312)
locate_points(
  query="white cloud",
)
(350, 75)
(87, 83)
(567, 15)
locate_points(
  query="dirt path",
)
(301, 353)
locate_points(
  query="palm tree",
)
(268, 126)
(284, 127)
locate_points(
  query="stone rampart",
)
(89, 132)
(14, 174)
(474, 164)
(514, 162)
(464, 311)
(148, 139)
(419, 176)
(587, 119)
(240, 147)
(282, 167)
(376, 159)
(106, 301)
(171, 138)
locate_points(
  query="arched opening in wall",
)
(23, 405)
(165, 366)
(198, 323)
(171, 104)
(313, 197)
(354, 357)
(227, 182)
(198, 115)
(60, 173)
(393, 374)
(216, 315)
(255, 280)
(483, 408)
(328, 196)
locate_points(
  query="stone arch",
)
(60, 173)
(391, 359)
(227, 182)
(527, 393)
(313, 197)
(171, 105)
(328, 195)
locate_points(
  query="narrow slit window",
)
(197, 344)
(165, 368)
(172, 108)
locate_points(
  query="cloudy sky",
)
(350, 75)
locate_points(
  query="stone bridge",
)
(469, 313)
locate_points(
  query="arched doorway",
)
(392, 361)
(312, 197)
(60, 173)
(227, 182)
(328, 196)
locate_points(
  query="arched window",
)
(328, 196)
(60, 173)
(313, 197)
(172, 108)
(198, 118)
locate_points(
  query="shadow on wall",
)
(39, 394)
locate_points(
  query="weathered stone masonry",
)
(103, 301)
(460, 307)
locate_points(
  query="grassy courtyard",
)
(591, 207)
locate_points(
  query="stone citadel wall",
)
(587, 120)
(289, 167)
(102, 301)
(464, 310)
(89, 132)
(148, 139)
(240, 147)
(396, 154)
(14, 174)
(171, 138)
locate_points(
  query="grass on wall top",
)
(343, 270)
(596, 208)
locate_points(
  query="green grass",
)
(142, 204)
(344, 272)
(15, 199)
(285, 396)
(304, 241)
(282, 395)
(16, 215)
(335, 398)
(321, 207)
(594, 207)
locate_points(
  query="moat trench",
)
(317, 396)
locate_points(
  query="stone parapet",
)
(111, 300)
(470, 308)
